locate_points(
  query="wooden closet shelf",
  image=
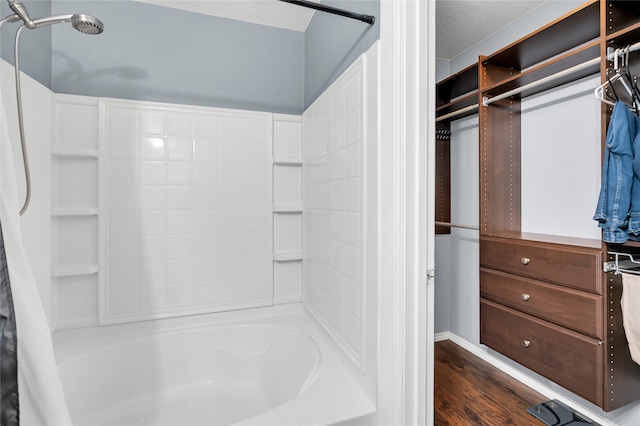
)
(626, 36)
(458, 104)
(561, 35)
(547, 238)
(458, 84)
(560, 63)
(627, 244)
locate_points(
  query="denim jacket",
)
(634, 214)
(615, 201)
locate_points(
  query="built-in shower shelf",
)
(74, 152)
(287, 161)
(287, 257)
(293, 208)
(79, 211)
(74, 270)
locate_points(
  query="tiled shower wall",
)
(333, 138)
(189, 210)
(163, 210)
(333, 207)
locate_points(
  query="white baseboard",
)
(521, 377)
(439, 337)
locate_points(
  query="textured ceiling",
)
(461, 24)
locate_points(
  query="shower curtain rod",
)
(317, 6)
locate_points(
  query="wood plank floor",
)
(470, 391)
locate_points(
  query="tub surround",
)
(245, 348)
(79, 193)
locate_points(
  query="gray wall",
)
(35, 45)
(154, 53)
(332, 43)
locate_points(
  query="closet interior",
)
(549, 302)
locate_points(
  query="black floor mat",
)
(555, 413)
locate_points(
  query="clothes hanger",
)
(622, 74)
(627, 80)
(602, 92)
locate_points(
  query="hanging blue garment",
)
(614, 202)
(634, 214)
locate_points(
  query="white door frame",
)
(406, 182)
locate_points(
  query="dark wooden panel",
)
(457, 85)
(621, 14)
(500, 176)
(622, 374)
(575, 309)
(492, 74)
(570, 359)
(572, 266)
(443, 180)
(575, 57)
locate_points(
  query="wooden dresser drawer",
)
(568, 358)
(578, 310)
(573, 266)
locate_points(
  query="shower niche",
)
(287, 208)
(74, 211)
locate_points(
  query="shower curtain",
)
(41, 398)
(9, 401)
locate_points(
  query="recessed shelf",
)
(74, 152)
(74, 270)
(75, 211)
(287, 209)
(287, 161)
(287, 257)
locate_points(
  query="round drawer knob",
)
(525, 297)
(525, 260)
(526, 343)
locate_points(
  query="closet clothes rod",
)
(612, 53)
(347, 14)
(458, 112)
(457, 225)
(488, 101)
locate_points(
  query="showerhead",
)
(87, 24)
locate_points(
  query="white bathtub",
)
(218, 369)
